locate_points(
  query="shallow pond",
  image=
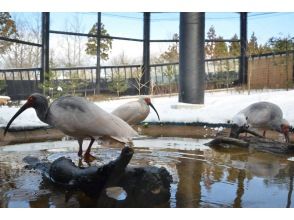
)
(202, 177)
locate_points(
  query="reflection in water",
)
(291, 173)
(240, 189)
(189, 189)
(202, 177)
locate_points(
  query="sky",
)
(124, 24)
(163, 26)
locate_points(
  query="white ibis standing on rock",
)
(79, 118)
(264, 115)
(136, 111)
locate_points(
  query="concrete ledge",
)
(187, 106)
(154, 130)
(30, 135)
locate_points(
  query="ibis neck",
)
(41, 111)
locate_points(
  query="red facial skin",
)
(147, 100)
(30, 101)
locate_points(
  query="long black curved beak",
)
(154, 110)
(23, 108)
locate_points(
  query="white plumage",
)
(134, 112)
(263, 115)
(79, 118)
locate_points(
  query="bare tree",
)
(21, 55)
(72, 47)
(138, 74)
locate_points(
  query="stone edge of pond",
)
(31, 134)
(211, 125)
(46, 133)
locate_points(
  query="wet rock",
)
(253, 142)
(144, 186)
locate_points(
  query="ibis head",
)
(148, 102)
(36, 101)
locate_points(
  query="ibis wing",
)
(263, 113)
(131, 112)
(78, 117)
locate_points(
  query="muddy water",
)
(202, 177)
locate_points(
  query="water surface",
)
(202, 177)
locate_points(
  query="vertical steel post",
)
(145, 80)
(192, 57)
(243, 66)
(98, 68)
(45, 46)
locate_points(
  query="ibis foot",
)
(80, 164)
(88, 158)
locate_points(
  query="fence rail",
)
(220, 73)
(18, 83)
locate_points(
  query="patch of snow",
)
(219, 107)
(4, 97)
(291, 158)
(28, 118)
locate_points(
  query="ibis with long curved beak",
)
(263, 115)
(136, 111)
(79, 118)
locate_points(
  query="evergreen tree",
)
(118, 84)
(253, 47)
(209, 48)
(172, 53)
(220, 49)
(105, 43)
(7, 29)
(49, 87)
(234, 47)
(170, 72)
(281, 43)
(265, 48)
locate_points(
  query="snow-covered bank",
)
(219, 108)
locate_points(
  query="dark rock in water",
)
(31, 160)
(143, 186)
(253, 142)
(35, 163)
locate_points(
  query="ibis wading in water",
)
(79, 118)
(136, 111)
(263, 115)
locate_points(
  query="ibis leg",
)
(80, 141)
(88, 157)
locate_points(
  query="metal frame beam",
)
(45, 46)
(145, 80)
(98, 68)
(192, 57)
(243, 66)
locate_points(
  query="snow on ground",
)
(219, 107)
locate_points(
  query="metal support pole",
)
(145, 80)
(243, 67)
(98, 68)
(45, 46)
(192, 57)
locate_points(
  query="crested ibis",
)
(136, 111)
(79, 118)
(264, 115)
